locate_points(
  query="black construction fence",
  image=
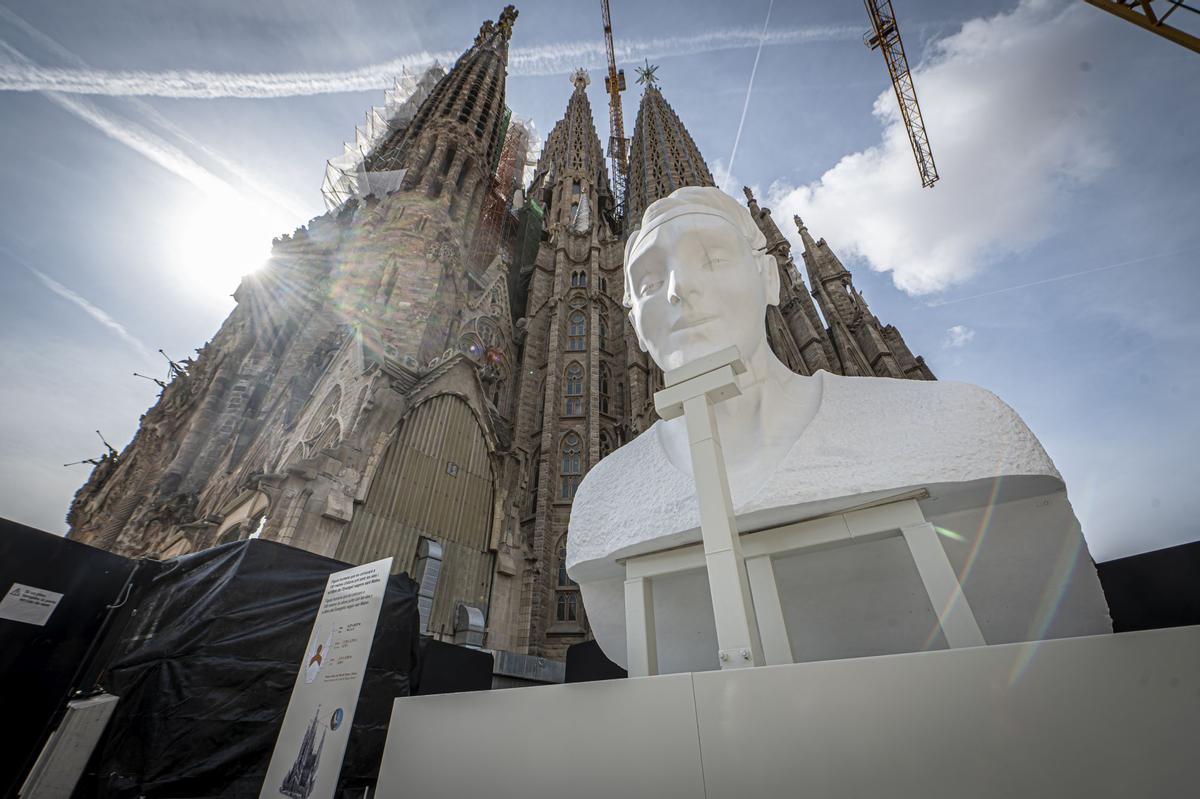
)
(203, 652)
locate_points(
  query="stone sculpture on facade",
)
(698, 279)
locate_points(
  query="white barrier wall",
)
(1110, 715)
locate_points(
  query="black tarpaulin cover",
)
(206, 666)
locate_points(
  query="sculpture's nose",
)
(679, 284)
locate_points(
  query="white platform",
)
(1102, 716)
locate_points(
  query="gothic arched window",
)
(324, 430)
(572, 465)
(602, 330)
(489, 334)
(573, 390)
(606, 443)
(605, 388)
(576, 331)
(578, 278)
(566, 590)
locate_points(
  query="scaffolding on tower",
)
(495, 217)
(885, 36)
(347, 175)
(618, 145)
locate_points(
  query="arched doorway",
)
(435, 481)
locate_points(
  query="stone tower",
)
(574, 409)
(662, 158)
(861, 345)
(427, 371)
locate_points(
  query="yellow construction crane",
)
(885, 36)
(614, 84)
(1142, 14)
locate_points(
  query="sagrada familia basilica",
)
(427, 371)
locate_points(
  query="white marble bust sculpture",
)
(698, 279)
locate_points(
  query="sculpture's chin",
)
(672, 360)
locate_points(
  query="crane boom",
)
(885, 36)
(1152, 20)
(614, 84)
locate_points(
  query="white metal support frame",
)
(691, 391)
(747, 608)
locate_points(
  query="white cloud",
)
(1010, 114)
(958, 336)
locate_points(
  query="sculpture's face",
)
(697, 287)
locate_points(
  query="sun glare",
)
(219, 240)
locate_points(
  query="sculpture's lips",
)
(690, 322)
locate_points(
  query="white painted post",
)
(642, 654)
(691, 391)
(941, 584)
(777, 648)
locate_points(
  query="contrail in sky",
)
(135, 137)
(1057, 278)
(99, 314)
(746, 105)
(141, 139)
(548, 59)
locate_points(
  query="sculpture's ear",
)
(770, 270)
(637, 331)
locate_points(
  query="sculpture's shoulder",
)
(965, 427)
(630, 488)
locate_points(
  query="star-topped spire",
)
(662, 154)
(580, 78)
(646, 74)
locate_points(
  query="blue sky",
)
(1053, 263)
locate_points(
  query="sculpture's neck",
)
(757, 428)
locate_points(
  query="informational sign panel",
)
(28, 604)
(312, 741)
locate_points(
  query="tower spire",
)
(572, 180)
(464, 112)
(663, 156)
(805, 236)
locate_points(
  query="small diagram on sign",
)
(318, 654)
(302, 776)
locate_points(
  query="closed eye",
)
(649, 286)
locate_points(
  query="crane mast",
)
(614, 84)
(885, 36)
